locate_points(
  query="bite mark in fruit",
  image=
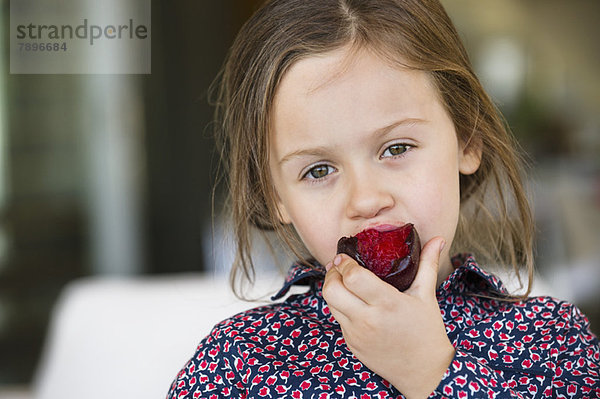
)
(392, 255)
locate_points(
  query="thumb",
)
(425, 282)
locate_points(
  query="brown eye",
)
(318, 172)
(396, 149)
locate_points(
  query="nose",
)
(368, 193)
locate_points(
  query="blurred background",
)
(109, 176)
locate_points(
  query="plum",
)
(392, 255)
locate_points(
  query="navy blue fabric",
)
(540, 347)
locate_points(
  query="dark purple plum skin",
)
(403, 270)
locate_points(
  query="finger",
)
(425, 282)
(363, 283)
(341, 318)
(338, 297)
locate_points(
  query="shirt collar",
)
(301, 274)
(467, 277)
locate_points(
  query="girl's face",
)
(356, 143)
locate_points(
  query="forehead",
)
(350, 90)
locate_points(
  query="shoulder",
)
(260, 326)
(544, 312)
(555, 329)
(248, 342)
(543, 324)
(214, 363)
(540, 336)
(546, 316)
(562, 322)
(254, 324)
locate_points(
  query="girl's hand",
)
(398, 335)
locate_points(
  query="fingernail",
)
(337, 260)
(442, 245)
(328, 266)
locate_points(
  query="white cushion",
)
(128, 338)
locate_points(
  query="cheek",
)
(317, 228)
(435, 202)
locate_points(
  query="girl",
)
(342, 115)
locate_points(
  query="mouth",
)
(384, 226)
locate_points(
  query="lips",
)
(391, 252)
(384, 227)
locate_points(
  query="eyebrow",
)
(320, 151)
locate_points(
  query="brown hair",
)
(495, 221)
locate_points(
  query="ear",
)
(469, 156)
(282, 214)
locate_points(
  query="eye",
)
(395, 150)
(318, 172)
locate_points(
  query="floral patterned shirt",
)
(537, 348)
